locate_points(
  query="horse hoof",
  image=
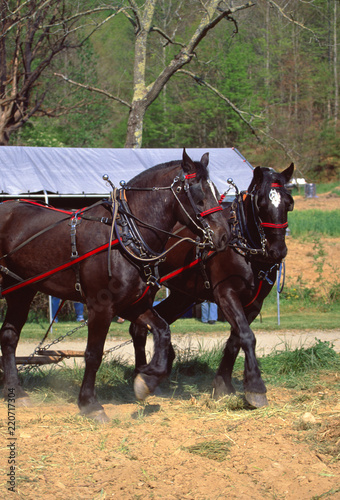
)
(140, 387)
(24, 402)
(220, 388)
(256, 399)
(98, 416)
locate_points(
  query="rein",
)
(202, 224)
(75, 217)
(241, 239)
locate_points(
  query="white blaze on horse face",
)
(275, 197)
(213, 190)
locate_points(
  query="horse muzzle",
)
(276, 254)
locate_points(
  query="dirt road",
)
(266, 343)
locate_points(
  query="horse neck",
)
(156, 208)
(249, 218)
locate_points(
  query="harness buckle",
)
(264, 277)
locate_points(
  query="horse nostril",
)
(277, 254)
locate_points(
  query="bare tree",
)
(142, 18)
(33, 34)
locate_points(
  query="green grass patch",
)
(332, 188)
(301, 360)
(307, 222)
(294, 315)
(191, 377)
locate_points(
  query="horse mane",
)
(202, 172)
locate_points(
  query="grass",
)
(299, 310)
(191, 377)
(307, 222)
(321, 188)
(214, 450)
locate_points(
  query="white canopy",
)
(76, 171)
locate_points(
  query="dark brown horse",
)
(78, 257)
(237, 279)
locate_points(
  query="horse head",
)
(270, 204)
(199, 208)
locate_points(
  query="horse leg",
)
(222, 384)
(243, 337)
(150, 375)
(169, 309)
(18, 305)
(98, 326)
(139, 334)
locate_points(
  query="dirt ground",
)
(300, 261)
(173, 449)
(186, 449)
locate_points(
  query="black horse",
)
(105, 257)
(237, 279)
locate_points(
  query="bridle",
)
(241, 238)
(199, 221)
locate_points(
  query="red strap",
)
(42, 276)
(221, 199)
(277, 226)
(174, 274)
(31, 202)
(256, 295)
(210, 211)
(275, 185)
(190, 176)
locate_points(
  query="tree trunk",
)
(335, 67)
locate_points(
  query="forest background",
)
(264, 77)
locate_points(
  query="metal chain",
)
(46, 347)
(26, 367)
(116, 347)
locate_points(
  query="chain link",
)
(27, 367)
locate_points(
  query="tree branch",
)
(93, 89)
(167, 38)
(240, 113)
(290, 19)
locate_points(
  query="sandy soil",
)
(179, 449)
(193, 449)
(300, 261)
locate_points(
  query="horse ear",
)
(258, 175)
(188, 165)
(205, 160)
(287, 174)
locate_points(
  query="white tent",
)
(71, 172)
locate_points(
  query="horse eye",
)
(197, 194)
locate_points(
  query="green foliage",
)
(301, 360)
(306, 222)
(271, 68)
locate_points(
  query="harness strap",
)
(210, 211)
(33, 237)
(276, 226)
(256, 295)
(114, 208)
(175, 273)
(66, 265)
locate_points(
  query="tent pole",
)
(49, 297)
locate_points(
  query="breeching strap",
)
(67, 265)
